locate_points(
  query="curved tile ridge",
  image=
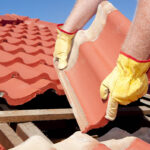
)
(16, 41)
(26, 60)
(26, 48)
(32, 74)
(21, 20)
(6, 19)
(80, 141)
(90, 62)
(32, 60)
(26, 92)
(92, 33)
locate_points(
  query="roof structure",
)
(26, 61)
(93, 56)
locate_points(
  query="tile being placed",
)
(26, 61)
(93, 56)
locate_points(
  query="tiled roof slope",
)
(26, 62)
(93, 56)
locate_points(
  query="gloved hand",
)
(62, 46)
(125, 84)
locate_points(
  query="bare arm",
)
(81, 13)
(137, 43)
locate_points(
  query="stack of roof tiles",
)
(26, 62)
(80, 141)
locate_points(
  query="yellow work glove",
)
(62, 46)
(125, 84)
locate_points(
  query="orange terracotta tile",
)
(13, 49)
(16, 17)
(32, 60)
(94, 54)
(26, 61)
(127, 143)
(5, 73)
(80, 141)
(101, 147)
(3, 34)
(139, 144)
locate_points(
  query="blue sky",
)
(56, 10)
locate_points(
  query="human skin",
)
(83, 10)
(137, 43)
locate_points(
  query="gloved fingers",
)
(62, 63)
(61, 58)
(112, 108)
(105, 85)
(104, 91)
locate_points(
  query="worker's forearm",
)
(137, 43)
(81, 13)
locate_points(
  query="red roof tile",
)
(26, 61)
(139, 144)
(101, 147)
(2, 148)
(93, 56)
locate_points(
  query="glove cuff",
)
(130, 66)
(131, 57)
(59, 28)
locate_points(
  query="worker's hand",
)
(62, 46)
(125, 84)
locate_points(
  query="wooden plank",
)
(35, 115)
(147, 96)
(144, 101)
(26, 130)
(134, 110)
(148, 118)
(8, 137)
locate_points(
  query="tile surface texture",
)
(93, 56)
(82, 141)
(26, 61)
